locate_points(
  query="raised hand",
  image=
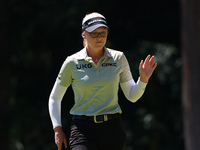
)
(146, 68)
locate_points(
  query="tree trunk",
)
(190, 33)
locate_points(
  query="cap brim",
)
(94, 27)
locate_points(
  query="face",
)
(97, 38)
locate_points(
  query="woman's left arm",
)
(133, 91)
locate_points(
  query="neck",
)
(95, 54)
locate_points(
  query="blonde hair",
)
(87, 17)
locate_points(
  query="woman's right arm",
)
(55, 99)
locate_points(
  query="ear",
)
(83, 35)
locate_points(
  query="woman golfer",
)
(95, 73)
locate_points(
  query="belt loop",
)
(105, 117)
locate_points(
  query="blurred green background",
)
(36, 37)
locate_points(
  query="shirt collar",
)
(83, 53)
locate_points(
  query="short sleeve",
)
(65, 75)
(125, 74)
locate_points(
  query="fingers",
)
(147, 59)
(60, 140)
(59, 145)
(154, 66)
(150, 61)
(65, 143)
(141, 64)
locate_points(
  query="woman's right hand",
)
(60, 137)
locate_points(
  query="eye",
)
(103, 33)
(94, 34)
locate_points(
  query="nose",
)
(99, 35)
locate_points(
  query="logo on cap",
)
(94, 21)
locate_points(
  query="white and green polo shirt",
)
(95, 86)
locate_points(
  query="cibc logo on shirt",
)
(109, 64)
(85, 66)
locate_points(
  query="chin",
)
(100, 46)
